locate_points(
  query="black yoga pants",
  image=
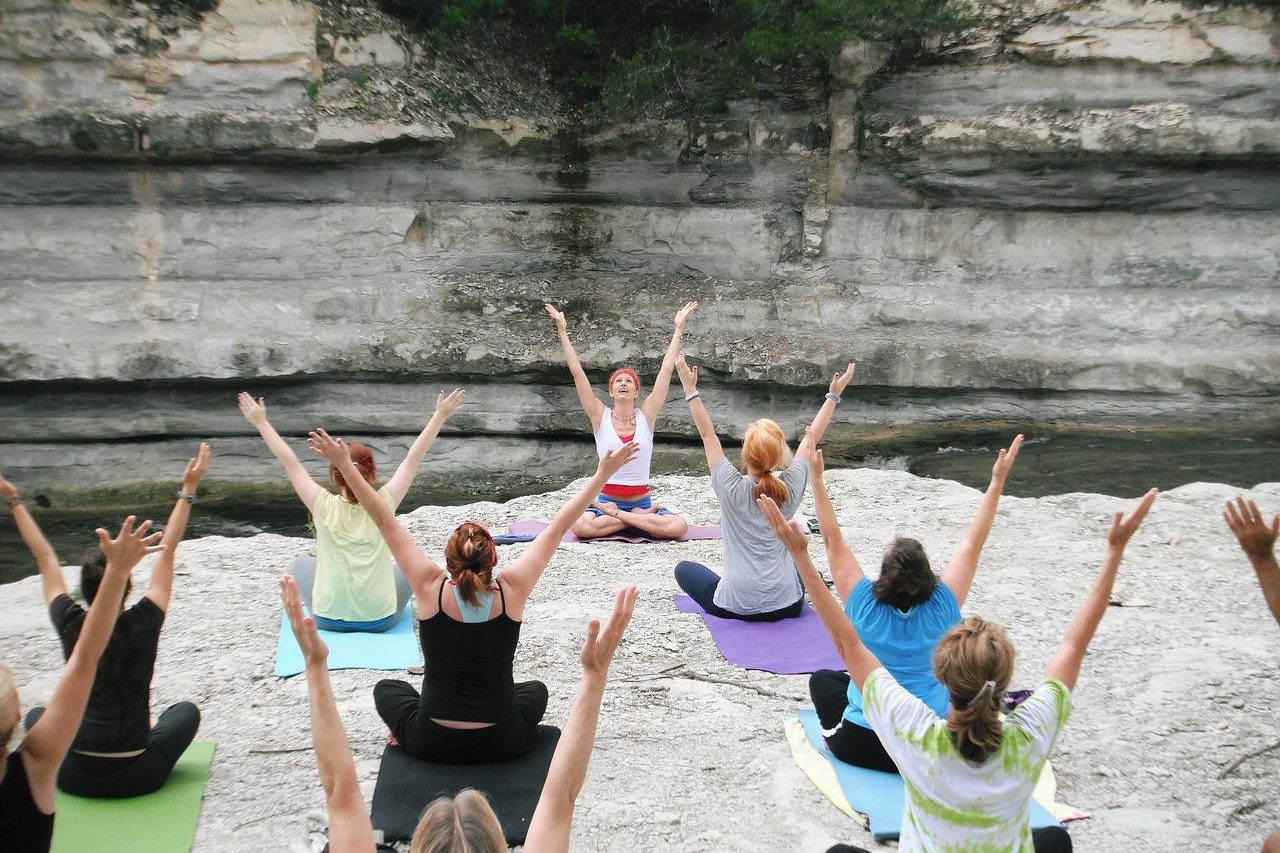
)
(851, 743)
(700, 583)
(400, 707)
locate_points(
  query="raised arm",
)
(446, 406)
(657, 398)
(553, 818)
(50, 738)
(161, 589)
(1065, 665)
(46, 559)
(858, 659)
(1258, 541)
(701, 417)
(524, 572)
(255, 412)
(590, 403)
(958, 575)
(818, 427)
(845, 570)
(350, 830)
(418, 568)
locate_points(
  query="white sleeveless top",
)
(635, 472)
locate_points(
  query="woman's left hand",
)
(332, 449)
(683, 314)
(789, 533)
(196, 469)
(447, 405)
(602, 641)
(688, 375)
(313, 648)
(842, 379)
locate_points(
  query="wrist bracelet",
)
(833, 397)
(15, 502)
(688, 397)
(191, 498)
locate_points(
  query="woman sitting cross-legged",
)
(117, 752)
(350, 584)
(28, 772)
(466, 821)
(759, 582)
(900, 617)
(470, 709)
(969, 776)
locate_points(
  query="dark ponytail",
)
(470, 557)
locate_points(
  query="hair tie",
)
(988, 688)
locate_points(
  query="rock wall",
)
(1070, 215)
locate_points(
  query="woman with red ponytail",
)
(759, 582)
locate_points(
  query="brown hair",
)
(470, 557)
(363, 460)
(905, 577)
(462, 824)
(974, 661)
(764, 448)
(10, 709)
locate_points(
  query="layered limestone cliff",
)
(1070, 216)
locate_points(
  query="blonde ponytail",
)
(974, 661)
(764, 449)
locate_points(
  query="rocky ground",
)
(1179, 690)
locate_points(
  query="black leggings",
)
(700, 583)
(400, 707)
(850, 742)
(114, 778)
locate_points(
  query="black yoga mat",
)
(406, 785)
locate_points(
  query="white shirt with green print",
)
(952, 805)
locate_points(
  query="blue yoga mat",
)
(394, 649)
(879, 795)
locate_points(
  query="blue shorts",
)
(625, 504)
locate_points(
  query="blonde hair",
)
(461, 824)
(974, 661)
(10, 709)
(764, 449)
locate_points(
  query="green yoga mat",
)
(163, 822)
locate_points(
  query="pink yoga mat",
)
(787, 647)
(532, 527)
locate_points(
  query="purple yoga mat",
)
(787, 647)
(532, 527)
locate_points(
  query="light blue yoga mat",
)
(394, 649)
(877, 794)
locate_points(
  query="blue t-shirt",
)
(903, 643)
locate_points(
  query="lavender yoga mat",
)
(532, 527)
(787, 647)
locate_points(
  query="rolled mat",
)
(406, 785)
(874, 798)
(396, 648)
(162, 821)
(787, 647)
(526, 530)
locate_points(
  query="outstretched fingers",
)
(1124, 526)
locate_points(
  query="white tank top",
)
(635, 472)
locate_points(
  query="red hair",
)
(363, 460)
(470, 557)
(764, 448)
(629, 372)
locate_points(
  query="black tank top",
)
(23, 827)
(468, 665)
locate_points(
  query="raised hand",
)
(816, 466)
(841, 379)
(334, 450)
(447, 405)
(688, 375)
(683, 314)
(313, 647)
(790, 533)
(254, 410)
(612, 461)
(197, 467)
(1124, 526)
(8, 490)
(130, 545)
(557, 316)
(1257, 539)
(602, 641)
(1005, 458)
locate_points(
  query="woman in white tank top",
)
(625, 501)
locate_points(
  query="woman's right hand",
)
(683, 314)
(313, 647)
(8, 490)
(254, 411)
(561, 325)
(334, 450)
(816, 466)
(130, 545)
(788, 532)
(447, 405)
(688, 375)
(612, 461)
(1124, 526)
(841, 380)
(602, 641)
(197, 467)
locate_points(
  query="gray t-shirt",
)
(759, 575)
